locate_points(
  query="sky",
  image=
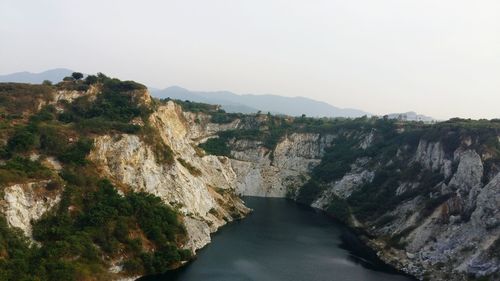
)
(439, 58)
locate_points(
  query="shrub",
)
(337, 159)
(216, 146)
(91, 79)
(22, 140)
(221, 117)
(192, 169)
(432, 203)
(19, 169)
(102, 226)
(309, 192)
(195, 106)
(18, 99)
(339, 209)
(76, 153)
(77, 75)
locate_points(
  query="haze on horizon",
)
(439, 58)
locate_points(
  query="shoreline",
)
(352, 241)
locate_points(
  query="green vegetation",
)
(17, 99)
(192, 169)
(163, 152)
(309, 192)
(43, 133)
(113, 109)
(77, 75)
(222, 117)
(216, 146)
(64, 134)
(195, 106)
(20, 169)
(379, 196)
(22, 140)
(453, 131)
(393, 143)
(339, 209)
(337, 159)
(270, 129)
(90, 223)
(94, 225)
(218, 115)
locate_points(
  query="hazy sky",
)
(437, 57)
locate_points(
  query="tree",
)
(77, 75)
(91, 79)
(21, 141)
(47, 82)
(102, 77)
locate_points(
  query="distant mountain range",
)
(231, 102)
(53, 75)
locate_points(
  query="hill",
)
(55, 75)
(249, 103)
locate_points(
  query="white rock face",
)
(469, 172)
(131, 162)
(23, 203)
(343, 188)
(432, 156)
(448, 236)
(198, 233)
(70, 96)
(368, 140)
(261, 174)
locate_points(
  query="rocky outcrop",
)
(343, 188)
(206, 198)
(276, 173)
(23, 203)
(453, 241)
(431, 155)
(71, 95)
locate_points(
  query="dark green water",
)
(282, 240)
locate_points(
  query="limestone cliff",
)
(25, 202)
(205, 197)
(148, 147)
(262, 172)
(447, 228)
(427, 198)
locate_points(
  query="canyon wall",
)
(440, 212)
(448, 230)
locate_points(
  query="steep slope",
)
(98, 173)
(99, 181)
(199, 186)
(426, 197)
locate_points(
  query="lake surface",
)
(282, 240)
